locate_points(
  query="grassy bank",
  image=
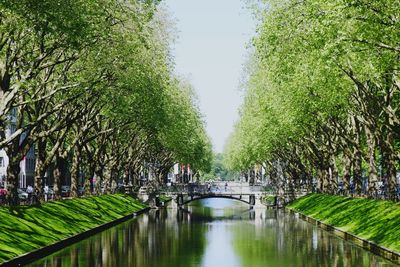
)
(164, 198)
(375, 220)
(268, 200)
(23, 229)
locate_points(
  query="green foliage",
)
(218, 170)
(269, 200)
(321, 87)
(184, 133)
(94, 81)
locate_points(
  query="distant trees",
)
(322, 96)
(90, 85)
(218, 170)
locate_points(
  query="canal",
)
(213, 232)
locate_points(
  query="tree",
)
(322, 90)
(91, 87)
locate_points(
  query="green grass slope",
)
(268, 200)
(375, 220)
(165, 198)
(23, 229)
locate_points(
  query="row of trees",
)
(90, 85)
(218, 170)
(323, 95)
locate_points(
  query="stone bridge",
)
(183, 199)
(184, 194)
(251, 195)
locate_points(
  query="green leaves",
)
(184, 132)
(100, 72)
(321, 66)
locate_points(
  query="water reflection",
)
(213, 232)
(284, 240)
(149, 240)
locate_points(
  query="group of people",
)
(218, 189)
(29, 190)
(32, 194)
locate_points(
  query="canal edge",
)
(49, 249)
(371, 246)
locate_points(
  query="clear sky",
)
(211, 50)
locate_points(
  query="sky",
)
(210, 50)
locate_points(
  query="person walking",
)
(29, 190)
(3, 193)
(46, 192)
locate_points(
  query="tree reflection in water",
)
(281, 239)
(213, 233)
(148, 240)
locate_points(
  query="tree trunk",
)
(57, 179)
(13, 170)
(89, 181)
(357, 159)
(252, 176)
(114, 179)
(346, 171)
(107, 181)
(291, 185)
(75, 171)
(40, 168)
(372, 170)
(389, 152)
(99, 179)
(246, 176)
(15, 152)
(126, 175)
(135, 171)
(273, 175)
(325, 181)
(281, 191)
(87, 185)
(333, 176)
(320, 180)
(389, 159)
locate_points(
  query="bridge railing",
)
(185, 188)
(218, 188)
(230, 188)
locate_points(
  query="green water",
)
(213, 232)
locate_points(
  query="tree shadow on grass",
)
(377, 220)
(28, 227)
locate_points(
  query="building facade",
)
(27, 164)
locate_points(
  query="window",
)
(30, 164)
(13, 128)
(2, 163)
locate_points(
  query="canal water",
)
(213, 232)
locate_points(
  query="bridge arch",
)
(181, 201)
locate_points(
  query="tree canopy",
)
(90, 85)
(322, 95)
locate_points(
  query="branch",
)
(376, 44)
